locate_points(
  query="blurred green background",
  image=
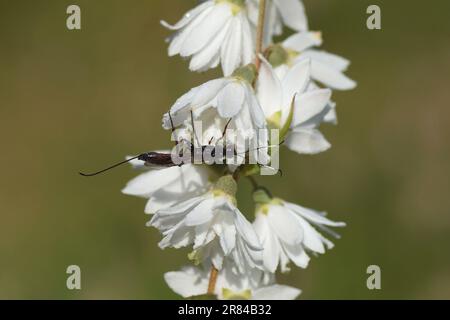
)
(78, 100)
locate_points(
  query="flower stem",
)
(260, 31)
(253, 182)
(212, 280)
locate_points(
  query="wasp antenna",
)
(171, 121)
(173, 128)
(107, 169)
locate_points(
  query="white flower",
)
(231, 96)
(326, 67)
(191, 281)
(216, 31)
(215, 227)
(278, 13)
(167, 186)
(287, 233)
(331, 116)
(286, 102)
(217, 101)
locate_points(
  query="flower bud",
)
(247, 73)
(227, 185)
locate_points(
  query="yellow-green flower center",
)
(195, 257)
(292, 54)
(278, 55)
(235, 5)
(264, 209)
(264, 201)
(283, 124)
(226, 186)
(274, 121)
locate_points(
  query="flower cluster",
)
(266, 86)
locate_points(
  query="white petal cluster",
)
(290, 13)
(215, 32)
(326, 68)
(164, 188)
(217, 102)
(214, 226)
(288, 232)
(191, 281)
(231, 97)
(291, 95)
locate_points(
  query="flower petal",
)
(201, 60)
(203, 33)
(276, 292)
(188, 17)
(188, 282)
(228, 236)
(269, 89)
(331, 77)
(312, 240)
(184, 101)
(248, 46)
(313, 215)
(193, 181)
(293, 14)
(180, 208)
(271, 246)
(298, 255)
(255, 109)
(334, 61)
(296, 80)
(310, 104)
(208, 91)
(303, 40)
(284, 224)
(232, 48)
(147, 183)
(178, 39)
(230, 100)
(331, 115)
(246, 230)
(202, 213)
(307, 141)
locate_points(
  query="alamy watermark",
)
(73, 281)
(73, 21)
(374, 280)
